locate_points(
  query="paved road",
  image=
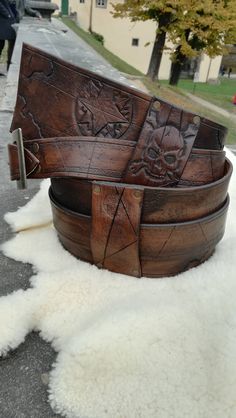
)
(212, 107)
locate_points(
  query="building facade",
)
(132, 41)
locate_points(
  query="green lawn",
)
(220, 94)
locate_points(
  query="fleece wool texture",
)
(127, 348)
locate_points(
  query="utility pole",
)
(208, 72)
(91, 17)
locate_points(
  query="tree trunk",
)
(156, 56)
(176, 68)
(158, 47)
(178, 63)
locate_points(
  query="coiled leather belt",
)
(138, 185)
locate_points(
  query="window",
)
(135, 41)
(81, 1)
(101, 3)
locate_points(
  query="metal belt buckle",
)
(18, 139)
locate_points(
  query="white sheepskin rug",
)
(127, 348)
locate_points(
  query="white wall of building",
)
(165, 67)
(209, 68)
(83, 12)
(118, 33)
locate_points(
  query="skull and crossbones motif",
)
(161, 156)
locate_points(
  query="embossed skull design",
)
(162, 155)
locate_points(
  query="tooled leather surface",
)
(55, 100)
(116, 212)
(164, 146)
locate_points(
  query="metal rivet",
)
(35, 147)
(157, 105)
(196, 120)
(96, 189)
(138, 194)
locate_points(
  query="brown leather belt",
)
(159, 204)
(106, 159)
(56, 98)
(113, 237)
(138, 185)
